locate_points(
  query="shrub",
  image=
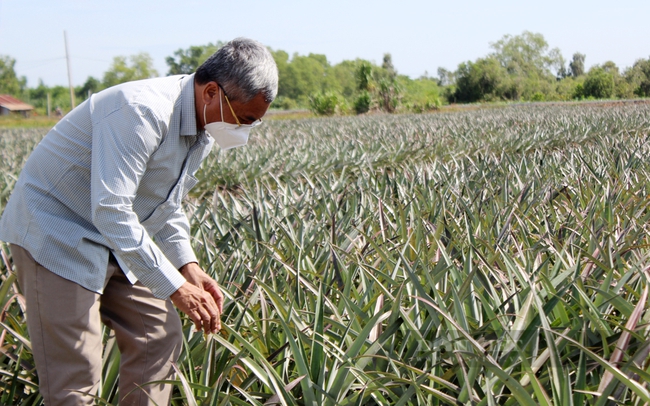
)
(428, 105)
(326, 104)
(363, 102)
(284, 103)
(538, 96)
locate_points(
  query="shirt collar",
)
(188, 109)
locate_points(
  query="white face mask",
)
(225, 134)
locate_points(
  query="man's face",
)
(246, 113)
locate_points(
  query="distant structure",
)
(9, 104)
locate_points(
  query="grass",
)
(273, 114)
(17, 121)
(485, 257)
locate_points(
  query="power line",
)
(91, 59)
(43, 62)
(39, 63)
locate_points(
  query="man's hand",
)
(201, 299)
(199, 305)
(195, 275)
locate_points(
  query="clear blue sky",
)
(420, 35)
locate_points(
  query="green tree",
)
(638, 77)
(302, 76)
(90, 86)
(186, 61)
(644, 87)
(364, 76)
(527, 55)
(377, 86)
(484, 79)
(532, 68)
(283, 101)
(9, 82)
(566, 89)
(59, 96)
(445, 77)
(599, 83)
(363, 101)
(577, 65)
(344, 74)
(563, 73)
(389, 94)
(120, 71)
(421, 94)
(387, 66)
(388, 89)
(621, 89)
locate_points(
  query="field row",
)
(495, 256)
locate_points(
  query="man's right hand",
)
(199, 305)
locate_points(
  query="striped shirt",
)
(110, 177)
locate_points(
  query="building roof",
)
(13, 104)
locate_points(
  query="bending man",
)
(97, 231)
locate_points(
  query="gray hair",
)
(243, 68)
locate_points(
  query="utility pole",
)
(67, 57)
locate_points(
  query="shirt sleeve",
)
(174, 239)
(123, 142)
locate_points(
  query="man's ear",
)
(210, 92)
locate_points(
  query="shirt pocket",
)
(157, 220)
(189, 182)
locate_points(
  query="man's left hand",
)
(195, 275)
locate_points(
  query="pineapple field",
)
(492, 256)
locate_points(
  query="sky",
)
(420, 35)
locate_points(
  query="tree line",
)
(523, 68)
(519, 68)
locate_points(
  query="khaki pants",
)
(64, 323)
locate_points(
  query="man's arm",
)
(174, 241)
(123, 143)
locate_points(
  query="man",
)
(97, 230)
